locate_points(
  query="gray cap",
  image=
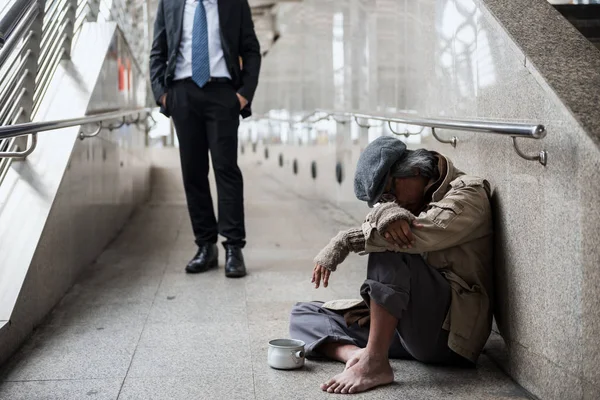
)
(373, 167)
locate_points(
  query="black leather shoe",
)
(206, 258)
(234, 266)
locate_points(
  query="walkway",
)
(137, 327)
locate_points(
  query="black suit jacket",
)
(237, 38)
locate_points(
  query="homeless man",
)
(428, 291)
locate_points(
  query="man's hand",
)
(320, 272)
(243, 101)
(163, 100)
(399, 232)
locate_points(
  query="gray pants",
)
(409, 289)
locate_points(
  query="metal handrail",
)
(535, 131)
(5, 88)
(35, 36)
(17, 33)
(513, 130)
(14, 14)
(28, 128)
(13, 103)
(42, 85)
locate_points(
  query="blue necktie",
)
(200, 57)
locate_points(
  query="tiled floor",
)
(137, 327)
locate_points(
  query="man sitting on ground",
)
(429, 277)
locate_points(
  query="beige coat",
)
(455, 238)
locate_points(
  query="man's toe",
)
(333, 387)
(342, 389)
(327, 384)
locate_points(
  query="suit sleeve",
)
(158, 55)
(250, 53)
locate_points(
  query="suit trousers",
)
(207, 120)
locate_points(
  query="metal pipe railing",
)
(18, 31)
(35, 36)
(534, 131)
(11, 19)
(42, 126)
(513, 130)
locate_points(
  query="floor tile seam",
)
(249, 339)
(107, 378)
(143, 329)
(179, 375)
(119, 325)
(179, 228)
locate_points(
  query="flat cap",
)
(373, 167)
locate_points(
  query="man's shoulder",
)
(470, 189)
(466, 190)
(471, 181)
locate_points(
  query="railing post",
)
(32, 66)
(71, 15)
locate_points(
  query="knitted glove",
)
(339, 247)
(387, 213)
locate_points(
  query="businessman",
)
(197, 79)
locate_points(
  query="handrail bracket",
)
(83, 135)
(22, 154)
(542, 156)
(453, 141)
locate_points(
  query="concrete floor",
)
(137, 327)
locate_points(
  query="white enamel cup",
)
(286, 354)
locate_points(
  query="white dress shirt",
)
(218, 66)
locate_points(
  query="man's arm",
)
(352, 240)
(158, 55)
(250, 53)
(447, 223)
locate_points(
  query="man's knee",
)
(300, 310)
(392, 268)
(308, 323)
(388, 280)
(306, 307)
(226, 170)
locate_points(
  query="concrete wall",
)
(61, 206)
(463, 59)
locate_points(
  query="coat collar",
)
(451, 174)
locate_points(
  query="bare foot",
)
(354, 358)
(340, 351)
(369, 372)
